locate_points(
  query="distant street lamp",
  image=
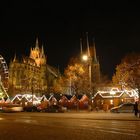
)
(85, 57)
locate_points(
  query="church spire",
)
(37, 43)
(43, 57)
(94, 51)
(15, 58)
(42, 50)
(88, 51)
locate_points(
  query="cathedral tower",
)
(38, 54)
(95, 65)
(92, 59)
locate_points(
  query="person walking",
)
(136, 108)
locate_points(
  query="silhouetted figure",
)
(136, 108)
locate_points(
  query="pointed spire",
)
(88, 45)
(43, 57)
(94, 51)
(81, 49)
(37, 43)
(15, 58)
(42, 50)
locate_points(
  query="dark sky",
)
(59, 27)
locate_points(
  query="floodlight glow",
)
(85, 57)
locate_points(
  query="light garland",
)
(131, 93)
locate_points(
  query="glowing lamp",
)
(85, 57)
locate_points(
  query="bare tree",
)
(128, 72)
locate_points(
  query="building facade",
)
(31, 74)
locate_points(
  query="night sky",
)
(115, 27)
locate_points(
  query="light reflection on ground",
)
(1, 119)
(29, 121)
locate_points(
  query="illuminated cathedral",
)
(38, 55)
(92, 59)
(31, 74)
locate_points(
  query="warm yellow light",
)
(85, 57)
(111, 102)
(112, 92)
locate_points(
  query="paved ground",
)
(69, 126)
(101, 115)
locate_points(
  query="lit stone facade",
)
(31, 74)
